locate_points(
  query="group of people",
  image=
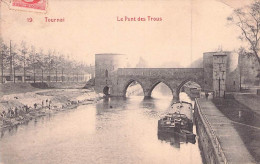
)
(45, 103)
(18, 111)
(15, 111)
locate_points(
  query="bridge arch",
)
(158, 82)
(128, 83)
(185, 81)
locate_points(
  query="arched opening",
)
(106, 73)
(106, 90)
(189, 90)
(161, 90)
(133, 88)
(162, 94)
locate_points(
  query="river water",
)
(111, 131)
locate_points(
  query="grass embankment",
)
(11, 88)
(248, 125)
(14, 88)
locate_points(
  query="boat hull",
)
(168, 128)
(185, 135)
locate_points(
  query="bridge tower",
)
(106, 66)
(220, 72)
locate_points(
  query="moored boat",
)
(184, 108)
(189, 136)
(169, 123)
(178, 119)
(174, 122)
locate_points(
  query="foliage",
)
(248, 20)
(30, 60)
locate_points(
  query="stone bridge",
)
(112, 77)
(148, 78)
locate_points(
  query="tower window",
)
(106, 73)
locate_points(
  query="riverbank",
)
(29, 103)
(106, 132)
(14, 88)
(11, 88)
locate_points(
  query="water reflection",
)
(174, 139)
(115, 130)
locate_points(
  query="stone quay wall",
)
(212, 151)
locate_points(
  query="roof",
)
(178, 102)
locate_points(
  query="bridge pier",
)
(176, 98)
(147, 95)
(175, 95)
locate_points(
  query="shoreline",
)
(60, 100)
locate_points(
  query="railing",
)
(213, 134)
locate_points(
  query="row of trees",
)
(25, 58)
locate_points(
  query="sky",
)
(188, 28)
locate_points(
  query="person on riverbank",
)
(3, 114)
(35, 105)
(26, 108)
(21, 112)
(16, 112)
(42, 103)
(10, 112)
(50, 104)
(206, 95)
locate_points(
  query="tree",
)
(33, 62)
(56, 63)
(15, 58)
(248, 20)
(4, 58)
(62, 63)
(23, 50)
(48, 61)
(69, 68)
(42, 62)
(17, 61)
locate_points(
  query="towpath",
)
(232, 145)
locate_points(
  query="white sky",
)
(91, 27)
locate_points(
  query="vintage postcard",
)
(112, 81)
